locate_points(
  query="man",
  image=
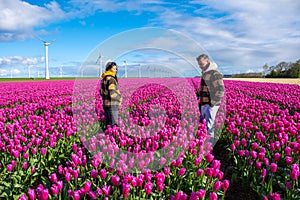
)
(211, 93)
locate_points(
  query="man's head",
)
(203, 61)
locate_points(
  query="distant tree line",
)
(283, 70)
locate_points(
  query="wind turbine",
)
(46, 44)
(125, 65)
(61, 72)
(100, 59)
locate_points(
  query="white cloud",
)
(19, 18)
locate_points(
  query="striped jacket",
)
(211, 86)
(109, 91)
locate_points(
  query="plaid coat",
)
(109, 91)
(211, 87)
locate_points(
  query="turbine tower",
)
(99, 60)
(46, 44)
(125, 64)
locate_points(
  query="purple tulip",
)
(125, 190)
(181, 172)
(277, 156)
(43, 151)
(76, 195)
(53, 177)
(201, 193)
(115, 180)
(92, 195)
(103, 174)
(213, 196)
(273, 167)
(217, 185)
(209, 157)
(94, 173)
(148, 187)
(106, 190)
(87, 186)
(200, 172)
(31, 194)
(55, 189)
(23, 197)
(10, 167)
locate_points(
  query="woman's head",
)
(111, 66)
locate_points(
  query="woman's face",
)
(114, 69)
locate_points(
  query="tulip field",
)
(54, 144)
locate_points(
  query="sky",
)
(240, 36)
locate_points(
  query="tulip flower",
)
(87, 186)
(277, 156)
(103, 174)
(31, 194)
(106, 190)
(23, 197)
(10, 167)
(181, 172)
(43, 151)
(213, 196)
(201, 193)
(55, 189)
(199, 172)
(115, 180)
(273, 167)
(94, 173)
(217, 185)
(148, 187)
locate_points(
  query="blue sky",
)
(240, 36)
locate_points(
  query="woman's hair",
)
(110, 65)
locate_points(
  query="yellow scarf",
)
(107, 73)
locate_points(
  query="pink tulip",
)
(115, 180)
(213, 196)
(125, 190)
(288, 160)
(217, 185)
(54, 189)
(43, 151)
(277, 156)
(199, 172)
(181, 172)
(295, 173)
(87, 186)
(273, 167)
(225, 185)
(94, 173)
(106, 190)
(166, 171)
(31, 194)
(23, 197)
(76, 195)
(10, 167)
(201, 193)
(148, 187)
(92, 195)
(103, 174)
(209, 157)
(53, 177)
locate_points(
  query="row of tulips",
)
(284, 95)
(45, 153)
(264, 139)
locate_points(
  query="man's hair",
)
(202, 56)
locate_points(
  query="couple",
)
(210, 93)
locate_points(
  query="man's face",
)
(203, 62)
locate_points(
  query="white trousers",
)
(209, 114)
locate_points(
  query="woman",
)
(111, 96)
